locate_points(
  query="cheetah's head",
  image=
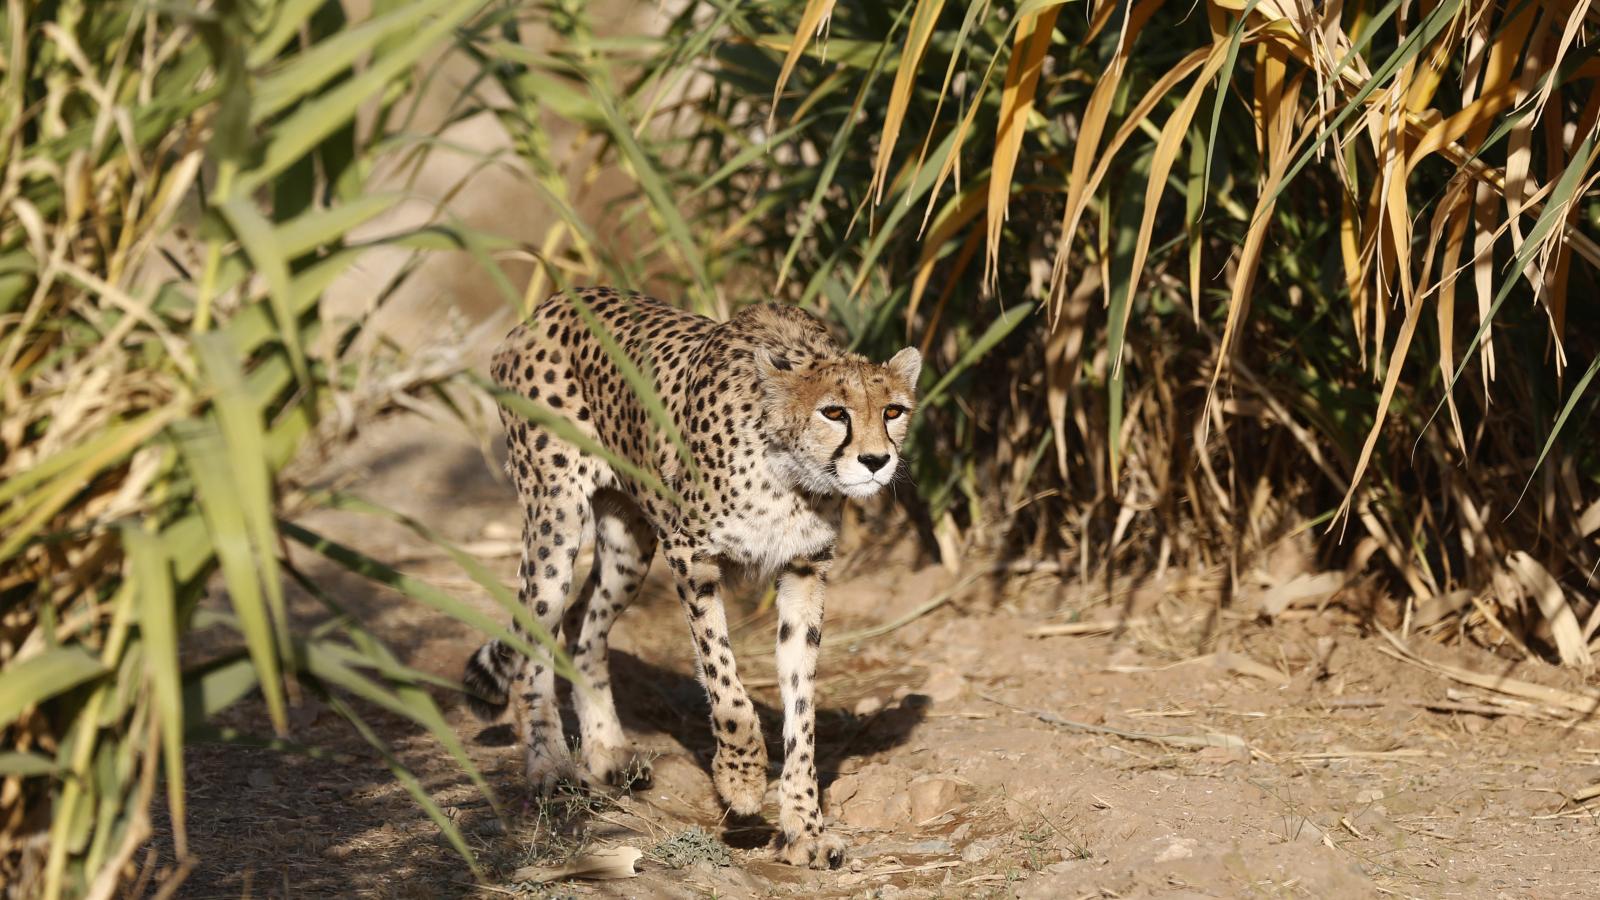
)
(839, 422)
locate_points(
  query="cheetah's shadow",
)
(652, 699)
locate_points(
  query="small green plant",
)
(690, 846)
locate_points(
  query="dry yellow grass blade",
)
(1586, 703)
(1350, 253)
(1074, 214)
(905, 77)
(1095, 113)
(812, 21)
(1519, 147)
(964, 257)
(1062, 354)
(1497, 75)
(1485, 213)
(1083, 155)
(1396, 225)
(1552, 604)
(1166, 153)
(1100, 18)
(1556, 297)
(1279, 104)
(1391, 380)
(1016, 102)
(1503, 56)
(958, 214)
(1454, 207)
(952, 162)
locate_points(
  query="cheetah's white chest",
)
(769, 536)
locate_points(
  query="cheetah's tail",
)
(488, 678)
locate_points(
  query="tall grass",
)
(179, 184)
(1284, 192)
(1196, 281)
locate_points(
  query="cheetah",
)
(779, 426)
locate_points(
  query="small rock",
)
(869, 705)
(1063, 867)
(261, 780)
(1225, 755)
(1369, 795)
(1113, 754)
(1307, 831)
(944, 685)
(978, 851)
(1175, 848)
(1092, 716)
(932, 795)
(871, 798)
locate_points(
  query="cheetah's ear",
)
(907, 364)
(770, 365)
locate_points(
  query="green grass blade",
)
(417, 704)
(218, 487)
(26, 765)
(217, 686)
(314, 120)
(1004, 324)
(415, 588)
(662, 201)
(40, 677)
(239, 410)
(310, 69)
(288, 17)
(1561, 420)
(410, 783)
(1235, 38)
(560, 426)
(23, 519)
(260, 242)
(158, 627)
(643, 385)
(318, 227)
(504, 596)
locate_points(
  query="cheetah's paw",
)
(617, 766)
(823, 850)
(547, 769)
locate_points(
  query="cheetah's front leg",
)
(802, 841)
(739, 770)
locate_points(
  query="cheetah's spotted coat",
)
(781, 425)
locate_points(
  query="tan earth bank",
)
(1006, 743)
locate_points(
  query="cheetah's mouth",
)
(860, 489)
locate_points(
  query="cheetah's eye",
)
(893, 412)
(834, 413)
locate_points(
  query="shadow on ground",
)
(333, 823)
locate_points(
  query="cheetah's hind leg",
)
(624, 545)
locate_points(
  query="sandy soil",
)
(1186, 754)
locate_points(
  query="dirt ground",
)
(1185, 753)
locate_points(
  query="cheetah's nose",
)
(873, 462)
